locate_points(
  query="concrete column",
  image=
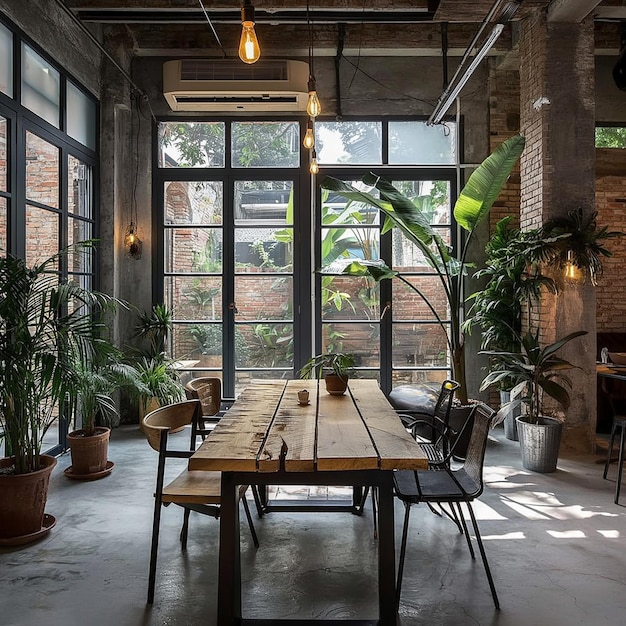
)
(558, 175)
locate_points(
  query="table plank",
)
(343, 442)
(236, 441)
(294, 425)
(396, 448)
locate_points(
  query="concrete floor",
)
(555, 543)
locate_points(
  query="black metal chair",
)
(619, 423)
(442, 435)
(451, 486)
(193, 490)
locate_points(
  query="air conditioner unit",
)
(223, 85)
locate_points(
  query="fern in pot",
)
(540, 374)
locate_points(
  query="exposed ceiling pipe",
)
(341, 36)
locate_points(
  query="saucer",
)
(304, 403)
(94, 476)
(48, 524)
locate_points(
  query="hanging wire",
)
(208, 19)
(308, 21)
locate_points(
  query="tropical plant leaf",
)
(485, 183)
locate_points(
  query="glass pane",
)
(259, 250)
(358, 243)
(86, 282)
(265, 144)
(42, 171)
(350, 297)
(264, 345)
(409, 258)
(3, 227)
(42, 234)
(6, 61)
(408, 305)
(419, 345)
(338, 210)
(193, 202)
(81, 262)
(362, 340)
(262, 201)
(40, 86)
(357, 143)
(4, 129)
(79, 188)
(610, 137)
(414, 377)
(191, 144)
(264, 297)
(78, 230)
(81, 116)
(194, 297)
(198, 342)
(432, 197)
(416, 143)
(193, 250)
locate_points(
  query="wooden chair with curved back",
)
(198, 491)
(208, 390)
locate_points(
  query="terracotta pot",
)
(335, 385)
(89, 453)
(23, 499)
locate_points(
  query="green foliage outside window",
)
(610, 137)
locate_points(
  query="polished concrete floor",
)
(555, 542)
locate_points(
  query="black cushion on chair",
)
(415, 398)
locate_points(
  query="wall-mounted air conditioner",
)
(225, 85)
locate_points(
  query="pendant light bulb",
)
(249, 50)
(313, 107)
(314, 168)
(309, 138)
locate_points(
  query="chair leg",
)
(405, 532)
(184, 531)
(481, 548)
(246, 509)
(465, 531)
(156, 522)
(258, 501)
(609, 451)
(620, 463)
(375, 510)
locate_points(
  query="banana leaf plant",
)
(471, 208)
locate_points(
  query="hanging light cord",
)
(133, 208)
(308, 21)
(208, 19)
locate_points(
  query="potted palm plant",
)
(539, 372)
(471, 208)
(512, 284)
(92, 406)
(336, 367)
(44, 323)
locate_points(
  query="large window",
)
(47, 166)
(241, 242)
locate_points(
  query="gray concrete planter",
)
(539, 443)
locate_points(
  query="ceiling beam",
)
(570, 10)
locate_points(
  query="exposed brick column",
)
(557, 117)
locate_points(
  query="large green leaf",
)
(484, 185)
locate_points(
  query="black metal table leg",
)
(386, 552)
(229, 587)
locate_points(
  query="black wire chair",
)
(444, 485)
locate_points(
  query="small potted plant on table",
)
(340, 365)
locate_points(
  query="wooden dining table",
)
(268, 438)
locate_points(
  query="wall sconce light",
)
(132, 243)
(249, 50)
(572, 273)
